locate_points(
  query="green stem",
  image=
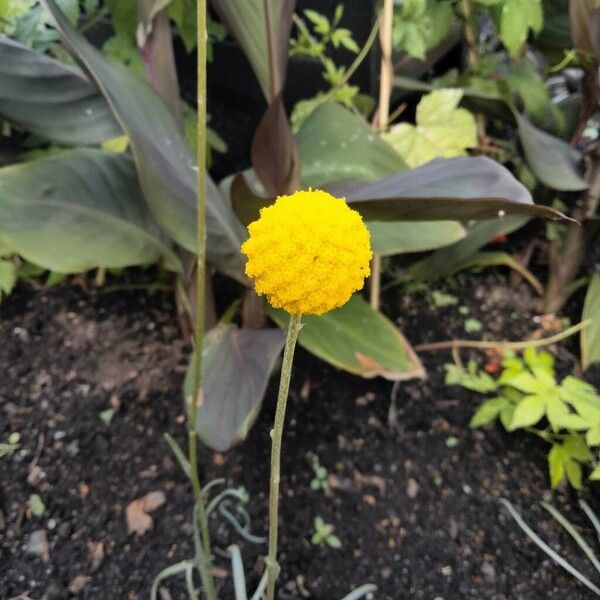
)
(276, 436)
(209, 584)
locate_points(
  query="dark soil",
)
(415, 505)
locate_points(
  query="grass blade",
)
(260, 589)
(239, 577)
(573, 533)
(591, 516)
(363, 590)
(559, 560)
(169, 572)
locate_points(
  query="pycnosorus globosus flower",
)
(308, 252)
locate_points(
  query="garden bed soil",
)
(415, 504)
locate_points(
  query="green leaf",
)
(79, 210)
(556, 465)
(553, 161)
(8, 277)
(461, 188)
(358, 339)
(460, 255)
(53, 100)
(595, 474)
(236, 366)
(528, 412)
(166, 166)
(184, 14)
(592, 437)
(247, 23)
(333, 541)
(441, 299)
(335, 144)
(472, 379)
(442, 129)
(523, 381)
(124, 16)
(488, 411)
(517, 17)
(574, 475)
(473, 325)
(560, 417)
(36, 505)
(528, 84)
(399, 237)
(590, 337)
(576, 448)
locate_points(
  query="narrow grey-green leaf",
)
(79, 210)
(53, 100)
(166, 166)
(590, 337)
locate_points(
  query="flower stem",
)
(207, 579)
(276, 436)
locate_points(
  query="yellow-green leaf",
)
(442, 130)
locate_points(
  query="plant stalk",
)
(202, 516)
(276, 437)
(386, 82)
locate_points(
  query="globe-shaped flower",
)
(308, 252)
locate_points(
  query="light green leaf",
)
(442, 129)
(590, 337)
(560, 417)
(36, 505)
(488, 411)
(592, 437)
(528, 412)
(575, 447)
(517, 17)
(471, 379)
(556, 465)
(8, 277)
(595, 474)
(574, 475)
(522, 380)
(358, 339)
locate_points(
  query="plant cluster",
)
(527, 396)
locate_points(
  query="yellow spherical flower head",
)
(308, 252)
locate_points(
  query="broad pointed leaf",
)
(53, 100)
(261, 28)
(335, 144)
(358, 339)
(78, 210)
(461, 188)
(236, 366)
(590, 337)
(553, 161)
(165, 163)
